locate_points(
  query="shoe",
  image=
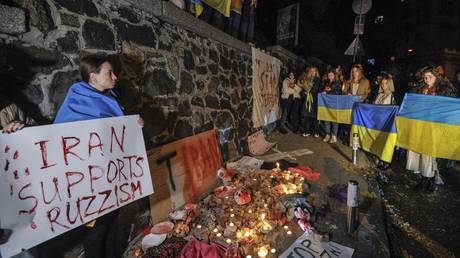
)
(282, 130)
(316, 135)
(327, 138)
(333, 139)
(306, 134)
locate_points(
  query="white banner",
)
(306, 247)
(265, 78)
(55, 178)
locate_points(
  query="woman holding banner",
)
(93, 98)
(434, 83)
(334, 87)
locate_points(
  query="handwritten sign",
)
(257, 143)
(185, 171)
(265, 78)
(306, 247)
(55, 178)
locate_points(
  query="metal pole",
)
(354, 146)
(352, 206)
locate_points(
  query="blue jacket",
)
(83, 102)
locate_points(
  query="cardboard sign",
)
(306, 247)
(184, 171)
(257, 143)
(55, 178)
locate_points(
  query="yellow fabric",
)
(198, 9)
(376, 142)
(429, 138)
(222, 6)
(90, 224)
(341, 116)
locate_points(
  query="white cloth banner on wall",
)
(55, 178)
(265, 78)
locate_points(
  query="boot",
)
(430, 185)
(421, 184)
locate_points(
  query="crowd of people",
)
(299, 96)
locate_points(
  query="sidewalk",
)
(333, 161)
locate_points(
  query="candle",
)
(289, 232)
(231, 209)
(219, 235)
(263, 252)
(250, 211)
(286, 227)
(232, 215)
(263, 215)
(265, 205)
(228, 240)
(277, 165)
(226, 197)
(273, 250)
(198, 226)
(215, 230)
(255, 179)
(231, 224)
(248, 256)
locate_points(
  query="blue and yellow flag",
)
(222, 6)
(336, 108)
(197, 7)
(430, 125)
(375, 126)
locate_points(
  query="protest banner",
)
(185, 171)
(265, 78)
(57, 177)
(257, 143)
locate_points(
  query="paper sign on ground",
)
(306, 247)
(257, 143)
(55, 178)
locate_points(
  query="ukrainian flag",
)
(222, 6)
(336, 108)
(430, 125)
(198, 7)
(375, 126)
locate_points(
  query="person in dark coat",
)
(331, 86)
(311, 84)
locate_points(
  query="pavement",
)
(333, 161)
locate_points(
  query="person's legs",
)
(327, 129)
(335, 128)
(294, 114)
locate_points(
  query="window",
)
(379, 19)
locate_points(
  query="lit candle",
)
(248, 256)
(277, 165)
(286, 227)
(215, 230)
(232, 215)
(231, 209)
(218, 234)
(231, 224)
(228, 241)
(265, 205)
(263, 215)
(255, 179)
(226, 197)
(247, 234)
(273, 250)
(289, 232)
(198, 226)
(263, 252)
(250, 211)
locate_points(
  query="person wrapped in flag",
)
(434, 84)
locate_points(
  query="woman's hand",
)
(140, 122)
(13, 127)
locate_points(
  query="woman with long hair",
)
(386, 90)
(331, 86)
(434, 83)
(310, 84)
(358, 84)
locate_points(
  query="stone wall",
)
(180, 82)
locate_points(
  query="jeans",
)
(291, 110)
(310, 125)
(248, 22)
(328, 125)
(233, 25)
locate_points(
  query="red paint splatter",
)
(7, 148)
(11, 190)
(33, 225)
(15, 173)
(7, 165)
(27, 172)
(15, 155)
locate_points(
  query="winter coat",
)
(363, 91)
(288, 91)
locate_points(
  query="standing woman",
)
(94, 98)
(331, 86)
(358, 85)
(290, 98)
(385, 93)
(311, 86)
(434, 83)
